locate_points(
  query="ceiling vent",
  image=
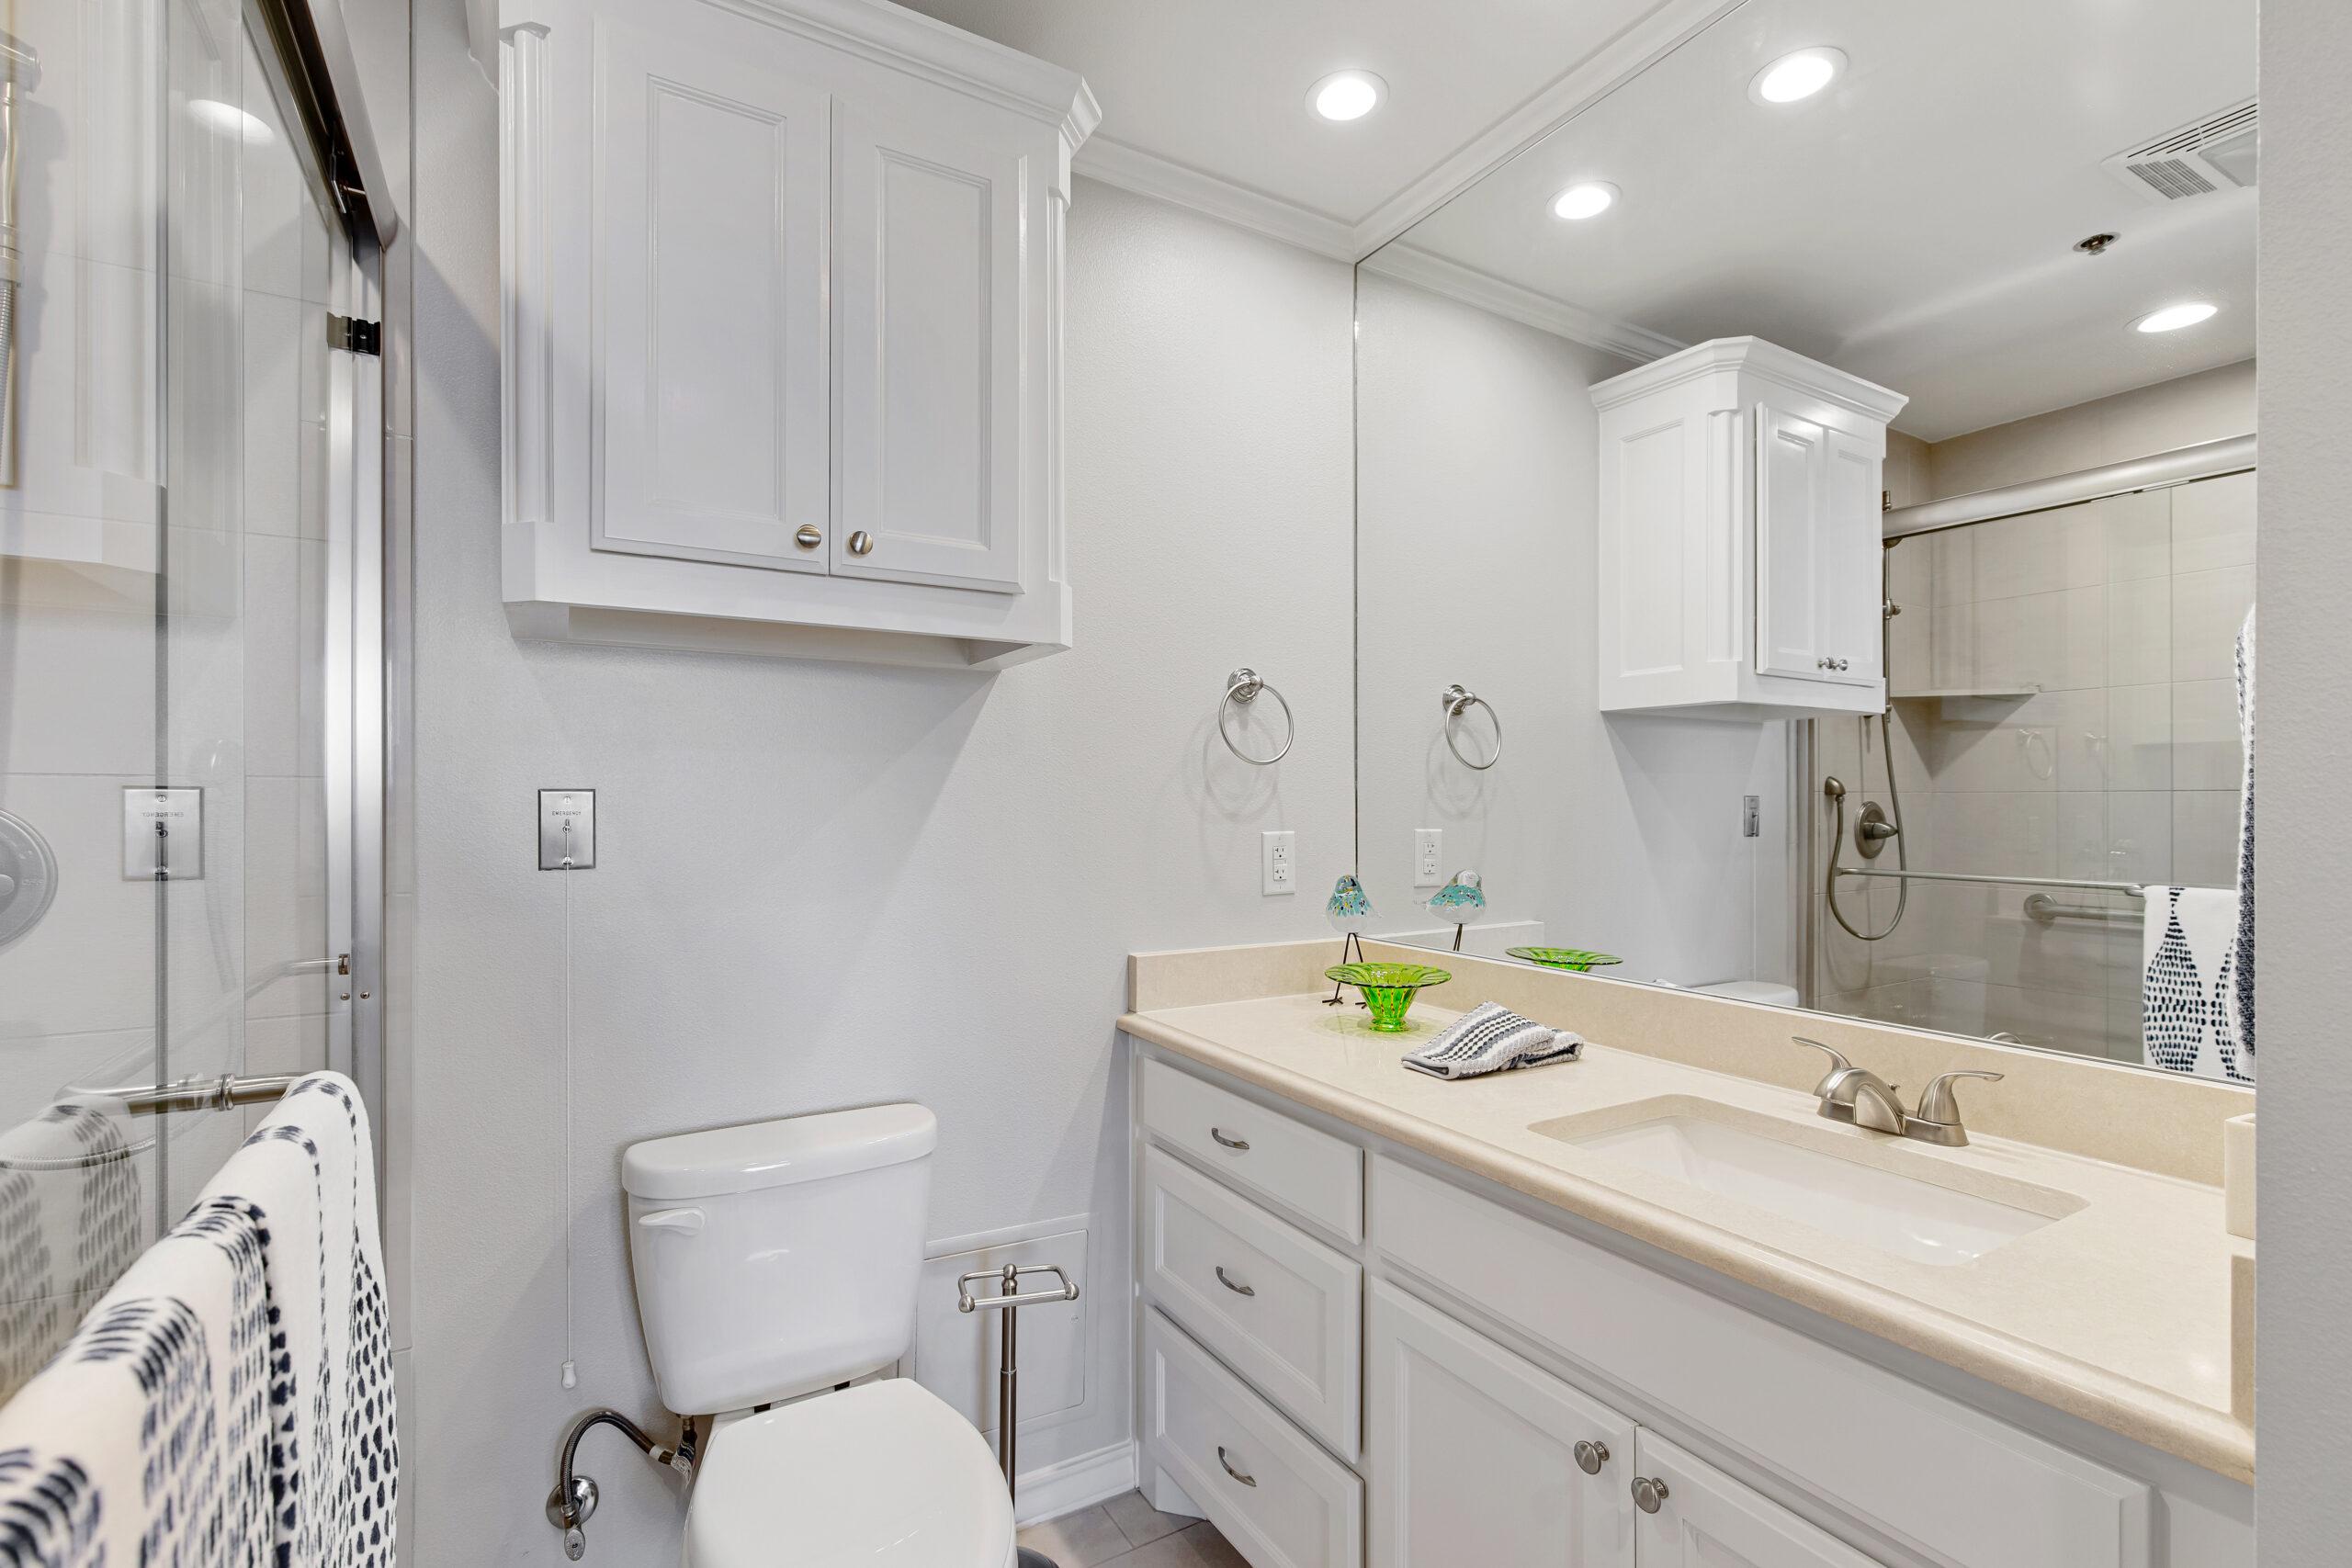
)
(2211, 154)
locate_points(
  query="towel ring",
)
(1458, 700)
(1242, 687)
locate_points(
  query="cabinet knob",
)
(860, 543)
(807, 538)
(1592, 1456)
(1227, 1281)
(1649, 1492)
(1243, 1476)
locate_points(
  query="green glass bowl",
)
(1575, 958)
(1387, 989)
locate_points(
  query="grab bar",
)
(2042, 909)
(2129, 889)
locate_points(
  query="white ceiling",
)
(1914, 224)
(1218, 88)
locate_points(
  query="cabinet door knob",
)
(1592, 1456)
(807, 538)
(1245, 1479)
(1239, 1145)
(860, 543)
(1648, 1494)
(1237, 1289)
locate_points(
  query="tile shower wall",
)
(2064, 706)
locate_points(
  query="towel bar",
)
(199, 1094)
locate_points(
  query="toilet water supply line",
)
(563, 1176)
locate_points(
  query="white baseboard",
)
(1050, 1491)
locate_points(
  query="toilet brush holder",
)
(1009, 1300)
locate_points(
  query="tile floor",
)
(1127, 1532)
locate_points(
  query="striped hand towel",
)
(1491, 1038)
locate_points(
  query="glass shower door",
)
(177, 616)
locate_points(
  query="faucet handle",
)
(1837, 1063)
(1936, 1103)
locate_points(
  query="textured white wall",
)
(1477, 463)
(822, 884)
(2303, 1361)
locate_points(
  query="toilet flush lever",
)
(689, 1221)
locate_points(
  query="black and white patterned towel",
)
(2189, 999)
(71, 1222)
(1490, 1038)
(229, 1403)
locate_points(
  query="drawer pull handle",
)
(1239, 1145)
(1228, 1284)
(1245, 1479)
(1592, 1456)
(1648, 1494)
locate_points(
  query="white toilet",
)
(777, 1260)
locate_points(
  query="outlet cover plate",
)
(1429, 851)
(1278, 856)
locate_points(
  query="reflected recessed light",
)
(2172, 318)
(1589, 198)
(1347, 95)
(1795, 76)
(229, 121)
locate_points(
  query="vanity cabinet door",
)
(932, 292)
(1706, 1520)
(1474, 1453)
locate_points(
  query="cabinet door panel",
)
(929, 291)
(1472, 1453)
(709, 288)
(1852, 620)
(1792, 475)
(1708, 1521)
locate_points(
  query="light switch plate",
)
(174, 854)
(560, 808)
(1429, 848)
(1279, 856)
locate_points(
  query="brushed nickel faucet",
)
(1849, 1093)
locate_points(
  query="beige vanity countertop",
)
(2118, 1312)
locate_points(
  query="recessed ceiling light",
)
(1588, 199)
(1795, 76)
(2172, 318)
(1347, 95)
(228, 119)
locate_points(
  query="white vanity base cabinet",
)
(1499, 1335)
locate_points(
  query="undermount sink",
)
(1784, 1169)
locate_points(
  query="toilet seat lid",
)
(882, 1476)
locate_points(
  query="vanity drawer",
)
(1282, 1502)
(1955, 1482)
(1319, 1176)
(1282, 1309)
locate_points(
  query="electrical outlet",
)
(1278, 857)
(1751, 819)
(1428, 847)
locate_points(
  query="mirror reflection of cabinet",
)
(1739, 534)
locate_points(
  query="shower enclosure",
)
(2061, 730)
(190, 608)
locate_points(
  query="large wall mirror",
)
(1704, 665)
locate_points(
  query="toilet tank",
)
(778, 1258)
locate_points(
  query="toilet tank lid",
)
(777, 1154)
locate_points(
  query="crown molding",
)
(1616, 62)
(1425, 269)
(1757, 357)
(1149, 173)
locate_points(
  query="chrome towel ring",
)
(1458, 700)
(1242, 687)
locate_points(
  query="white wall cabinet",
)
(1739, 536)
(782, 318)
(1496, 1344)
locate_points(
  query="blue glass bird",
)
(1461, 900)
(1349, 910)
